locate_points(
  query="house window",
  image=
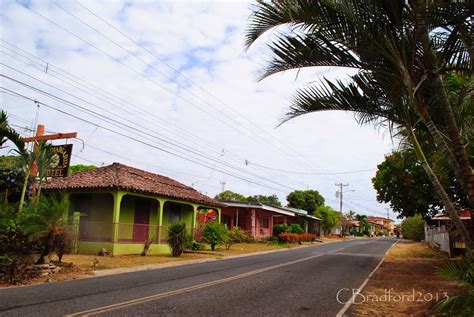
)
(174, 213)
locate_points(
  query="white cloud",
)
(204, 40)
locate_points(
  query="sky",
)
(167, 86)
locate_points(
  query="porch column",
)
(237, 218)
(270, 225)
(219, 212)
(195, 211)
(252, 220)
(116, 215)
(161, 204)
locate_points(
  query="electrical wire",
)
(139, 141)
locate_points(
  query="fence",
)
(438, 237)
(93, 231)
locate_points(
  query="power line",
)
(95, 105)
(138, 140)
(156, 83)
(151, 137)
(310, 173)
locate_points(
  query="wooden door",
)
(142, 220)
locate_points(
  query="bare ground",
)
(407, 279)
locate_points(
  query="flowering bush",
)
(307, 237)
(297, 238)
(290, 237)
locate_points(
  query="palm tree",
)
(47, 221)
(9, 134)
(400, 51)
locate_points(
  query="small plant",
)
(177, 238)
(192, 244)
(146, 246)
(295, 228)
(279, 229)
(461, 271)
(214, 233)
(235, 235)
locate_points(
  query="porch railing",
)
(93, 231)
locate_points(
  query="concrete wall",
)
(438, 237)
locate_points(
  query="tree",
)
(414, 228)
(79, 168)
(400, 50)
(39, 159)
(7, 133)
(262, 199)
(345, 222)
(401, 181)
(307, 200)
(229, 195)
(364, 222)
(47, 221)
(329, 218)
(215, 233)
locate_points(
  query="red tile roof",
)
(119, 176)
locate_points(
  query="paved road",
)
(303, 281)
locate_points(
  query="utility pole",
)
(339, 194)
(388, 215)
(223, 186)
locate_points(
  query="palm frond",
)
(361, 96)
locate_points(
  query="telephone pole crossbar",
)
(340, 194)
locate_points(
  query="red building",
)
(258, 219)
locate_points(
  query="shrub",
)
(295, 228)
(366, 232)
(414, 228)
(279, 229)
(192, 244)
(214, 233)
(177, 238)
(14, 240)
(460, 271)
(290, 237)
(307, 237)
(235, 235)
(14, 269)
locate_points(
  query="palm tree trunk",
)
(23, 192)
(443, 146)
(453, 213)
(466, 176)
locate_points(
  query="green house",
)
(121, 207)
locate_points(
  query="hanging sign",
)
(60, 159)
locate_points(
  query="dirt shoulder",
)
(405, 284)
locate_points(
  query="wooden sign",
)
(60, 159)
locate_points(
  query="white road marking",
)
(351, 300)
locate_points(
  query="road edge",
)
(348, 304)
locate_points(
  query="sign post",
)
(61, 153)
